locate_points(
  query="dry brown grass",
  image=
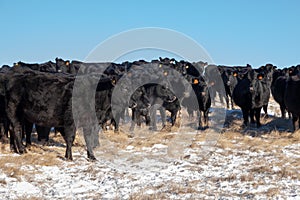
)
(247, 177)
(164, 191)
(29, 198)
(35, 156)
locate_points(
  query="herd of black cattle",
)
(43, 94)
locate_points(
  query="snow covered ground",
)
(182, 164)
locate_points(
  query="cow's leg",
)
(200, 124)
(173, 116)
(257, 117)
(28, 130)
(148, 119)
(68, 134)
(116, 120)
(245, 116)
(295, 122)
(265, 108)
(162, 112)
(252, 111)
(6, 127)
(16, 138)
(205, 114)
(232, 104)
(133, 120)
(212, 93)
(1, 132)
(138, 119)
(227, 101)
(283, 111)
(221, 97)
(191, 114)
(153, 110)
(16, 128)
(3, 136)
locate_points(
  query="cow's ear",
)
(195, 81)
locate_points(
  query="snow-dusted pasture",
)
(235, 163)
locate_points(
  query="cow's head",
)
(62, 65)
(256, 88)
(139, 98)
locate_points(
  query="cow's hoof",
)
(22, 151)
(92, 158)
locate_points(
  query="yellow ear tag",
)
(67, 63)
(260, 77)
(160, 65)
(196, 81)
(186, 66)
(165, 73)
(235, 74)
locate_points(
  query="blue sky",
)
(232, 32)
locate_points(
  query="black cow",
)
(292, 99)
(43, 132)
(3, 116)
(278, 88)
(215, 83)
(46, 100)
(200, 89)
(251, 94)
(139, 104)
(267, 72)
(229, 77)
(158, 94)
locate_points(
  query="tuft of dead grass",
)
(11, 165)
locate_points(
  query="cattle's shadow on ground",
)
(54, 140)
(234, 122)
